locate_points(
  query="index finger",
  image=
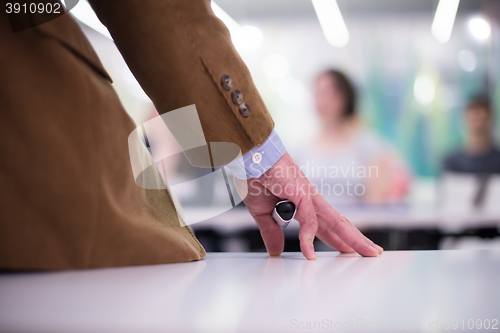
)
(306, 216)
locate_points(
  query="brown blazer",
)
(67, 194)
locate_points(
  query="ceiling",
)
(257, 9)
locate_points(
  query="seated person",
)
(479, 154)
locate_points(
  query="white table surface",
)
(250, 292)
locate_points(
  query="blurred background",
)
(426, 81)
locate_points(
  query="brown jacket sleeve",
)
(179, 51)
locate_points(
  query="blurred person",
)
(348, 163)
(480, 154)
(80, 207)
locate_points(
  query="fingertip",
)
(272, 236)
(311, 256)
(375, 252)
(308, 251)
(369, 251)
(378, 248)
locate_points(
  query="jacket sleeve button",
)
(244, 110)
(226, 82)
(237, 97)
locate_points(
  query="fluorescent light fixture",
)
(331, 21)
(480, 28)
(443, 20)
(85, 14)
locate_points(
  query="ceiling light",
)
(443, 20)
(332, 22)
(479, 28)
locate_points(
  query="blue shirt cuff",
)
(259, 159)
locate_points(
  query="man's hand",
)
(285, 180)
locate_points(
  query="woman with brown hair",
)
(347, 162)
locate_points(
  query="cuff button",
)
(226, 82)
(244, 110)
(237, 97)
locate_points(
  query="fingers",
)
(345, 230)
(353, 237)
(337, 231)
(306, 215)
(378, 247)
(332, 240)
(271, 234)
